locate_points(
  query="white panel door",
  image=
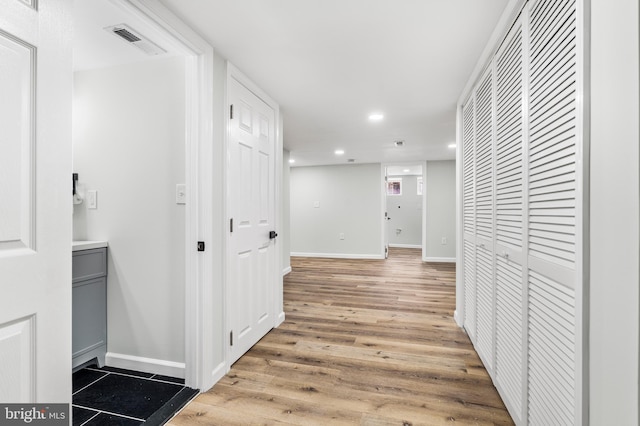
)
(251, 197)
(35, 201)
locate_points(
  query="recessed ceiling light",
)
(406, 170)
(452, 145)
(376, 117)
(291, 160)
(339, 151)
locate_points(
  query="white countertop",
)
(88, 245)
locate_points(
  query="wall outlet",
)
(316, 204)
(92, 199)
(341, 235)
(443, 241)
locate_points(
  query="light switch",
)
(181, 193)
(92, 199)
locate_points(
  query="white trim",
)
(279, 319)
(418, 246)
(440, 259)
(199, 280)
(286, 271)
(218, 372)
(339, 255)
(146, 365)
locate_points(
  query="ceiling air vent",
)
(136, 39)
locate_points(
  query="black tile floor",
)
(113, 396)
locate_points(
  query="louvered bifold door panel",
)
(468, 164)
(552, 132)
(510, 344)
(484, 158)
(468, 201)
(552, 346)
(509, 143)
(485, 298)
(470, 289)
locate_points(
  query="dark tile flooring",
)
(113, 396)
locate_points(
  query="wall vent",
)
(136, 39)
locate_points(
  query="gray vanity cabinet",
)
(89, 319)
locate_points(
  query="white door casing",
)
(252, 268)
(35, 201)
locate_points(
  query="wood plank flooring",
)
(369, 342)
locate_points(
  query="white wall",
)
(440, 187)
(129, 145)
(285, 231)
(405, 213)
(350, 202)
(614, 213)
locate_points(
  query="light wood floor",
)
(364, 342)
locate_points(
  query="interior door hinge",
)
(231, 112)
(231, 338)
(231, 225)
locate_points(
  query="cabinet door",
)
(89, 315)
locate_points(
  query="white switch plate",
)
(181, 193)
(341, 236)
(92, 199)
(444, 241)
(316, 204)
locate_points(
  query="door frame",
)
(277, 309)
(385, 226)
(201, 161)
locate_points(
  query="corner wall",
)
(349, 202)
(440, 187)
(128, 139)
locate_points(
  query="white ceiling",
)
(330, 63)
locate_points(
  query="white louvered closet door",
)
(554, 365)
(484, 219)
(510, 371)
(469, 228)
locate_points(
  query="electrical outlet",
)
(444, 241)
(341, 236)
(316, 204)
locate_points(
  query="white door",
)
(35, 201)
(251, 196)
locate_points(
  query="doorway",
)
(404, 206)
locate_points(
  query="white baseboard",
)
(217, 374)
(146, 365)
(280, 319)
(439, 259)
(457, 318)
(286, 271)
(339, 255)
(418, 246)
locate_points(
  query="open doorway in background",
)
(404, 206)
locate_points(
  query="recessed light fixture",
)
(291, 161)
(406, 170)
(339, 151)
(376, 116)
(452, 145)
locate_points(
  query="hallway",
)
(364, 342)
